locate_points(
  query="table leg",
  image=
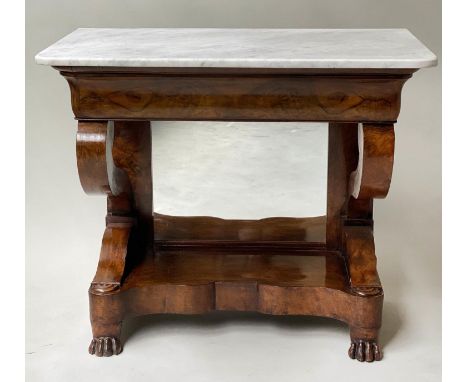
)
(371, 179)
(360, 166)
(364, 282)
(115, 159)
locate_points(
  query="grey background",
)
(64, 226)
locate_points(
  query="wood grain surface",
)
(323, 266)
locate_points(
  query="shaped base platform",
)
(195, 281)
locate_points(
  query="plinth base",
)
(197, 277)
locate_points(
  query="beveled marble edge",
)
(240, 48)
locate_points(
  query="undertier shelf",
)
(197, 280)
(203, 266)
(272, 266)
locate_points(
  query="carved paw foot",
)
(105, 346)
(365, 350)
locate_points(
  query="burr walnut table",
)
(121, 79)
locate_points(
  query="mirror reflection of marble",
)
(240, 170)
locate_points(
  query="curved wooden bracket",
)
(361, 260)
(96, 168)
(115, 159)
(111, 264)
(373, 175)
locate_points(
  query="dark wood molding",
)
(212, 71)
(184, 229)
(235, 95)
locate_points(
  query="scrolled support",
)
(99, 175)
(96, 168)
(361, 261)
(373, 174)
(112, 259)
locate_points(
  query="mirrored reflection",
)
(240, 170)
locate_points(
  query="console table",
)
(121, 79)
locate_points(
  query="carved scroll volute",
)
(96, 168)
(373, 175)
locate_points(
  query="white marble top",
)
(239, 48)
